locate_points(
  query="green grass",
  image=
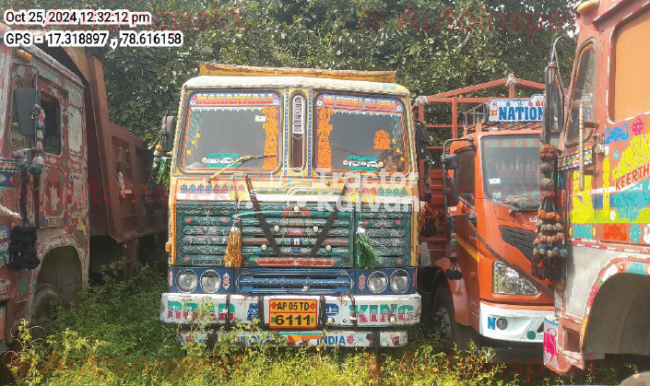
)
(112, 336)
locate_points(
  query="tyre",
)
(640, 379)
(451, 333)
(45, 300)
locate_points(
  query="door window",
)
(465, 176)
(52, 132)
(583, 91)
(631, 86)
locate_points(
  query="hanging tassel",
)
(233, 258)
(366, 254)
(164, 172)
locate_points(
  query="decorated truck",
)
(73, 185)
(293, 206)
(484, 197)
(597, 192)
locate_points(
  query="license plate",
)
(293, 314)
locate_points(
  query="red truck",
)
(73, 185)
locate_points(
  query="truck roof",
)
(215, 75)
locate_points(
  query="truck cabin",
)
(603, 173)
(496, 193)
(295, 183)
(489, 182)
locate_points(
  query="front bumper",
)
(346, 320)
(524, 324)
(343, 338)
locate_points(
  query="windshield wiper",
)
(521, 210)
(239, 161)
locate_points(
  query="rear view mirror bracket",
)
(167, 131)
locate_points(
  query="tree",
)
(434, 45)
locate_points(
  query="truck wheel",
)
(443, 316)
(45, 300)
(640, 379)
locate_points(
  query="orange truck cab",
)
(490, 186)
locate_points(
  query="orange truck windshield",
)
(511, 170)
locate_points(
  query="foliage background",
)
(432, 51)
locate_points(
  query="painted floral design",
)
(637, 126)
(350, 339)
(635, 233)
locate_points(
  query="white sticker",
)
(260, 118)
(494, 181)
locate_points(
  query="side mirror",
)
(167, 131)
(24, 101)
(421, 140)
(450, 161)
(553, 101)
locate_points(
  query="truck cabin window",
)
(465, 176)
(18, 140)
(222, 127)
(52, 132)
(360, 133)
(631, 86)
(583, 91)
(511, 170)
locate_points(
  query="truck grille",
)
(203, 229)
(389, 234)
(287, 281)
(520, 239)
(202, 235)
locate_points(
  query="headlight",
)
(399, 281)
(507, 281)
(186, 280)
(377, 282)
(210, 281)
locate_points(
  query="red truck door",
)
(52, 198)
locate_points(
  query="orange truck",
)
(601, 191)
(476, 275)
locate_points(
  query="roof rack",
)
(218, 69)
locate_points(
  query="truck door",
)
(467, 241)
(580, 200)
(54, 178)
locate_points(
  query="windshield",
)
(511, 170)
(225, 126)
(356, 133)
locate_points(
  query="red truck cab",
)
(73, 185)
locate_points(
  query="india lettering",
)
(630, 178)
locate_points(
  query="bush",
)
(112, 336)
